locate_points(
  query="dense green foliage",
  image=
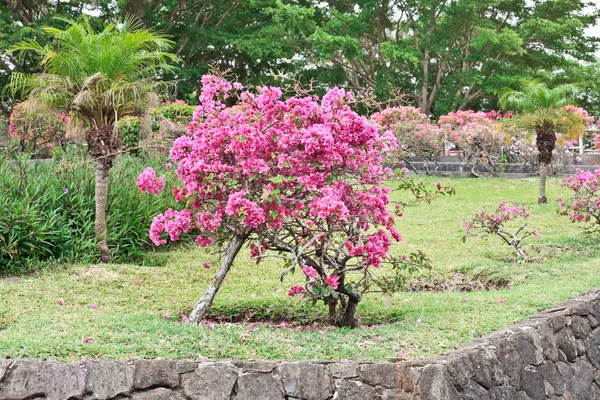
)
(442, 55)
(49, 215)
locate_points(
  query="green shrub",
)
(48, 211)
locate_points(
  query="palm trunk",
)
(205, 302)
(101, 190)
(544, 168)
(545, 142)
(103, 142)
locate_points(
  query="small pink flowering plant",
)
(299, 179)
(584, 204)
(508, 221)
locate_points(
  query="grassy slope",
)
(129, 320)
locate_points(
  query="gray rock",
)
(4, 365)
(210, 381)
(153, 373)
(344, 370)
(306, 381)
(386, 375)
(461, 370)
(435, 383)
(353, 390)
(580, 327)
(548, 341)
(566, 343)
(107, 379)
(259, 386)
(259, 366)
(593, 321)
(522, 396)
(49, 380)
(157, 394)
(558, 322)
(473, 391)
(583, 372)
(486, 367)
(395, 394)
(503, 393)
(510, 362)
(551, 375)
(527, 343)
(532, 383)
(592, 346)
(568, 378)
(595, 395)
(183, 367)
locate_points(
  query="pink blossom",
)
(501, 301)
(332, 281)
(148, 182)
(294, 290)
(537, 234)
(86, 341)
(206, 265)
(94, 307)
(310, 272)
(166, 316)
(138, 282)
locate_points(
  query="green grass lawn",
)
(53, 315)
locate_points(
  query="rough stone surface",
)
(158, 394)
(306, 381)
(49, 380)
(344, 370)
(210, 381)
(151, 373)
(386, 375)
(353, 390)
(259, 386)
(107, 379)
(435, 383)
(553, 356)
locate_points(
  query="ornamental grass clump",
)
(584, 204)
(508, 221)
(300, 180)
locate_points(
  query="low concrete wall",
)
(554, 355)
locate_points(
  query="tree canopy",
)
(441, 55)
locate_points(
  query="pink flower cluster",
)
(148, 182)
(587, 119)
(416, 136)
(584, 204)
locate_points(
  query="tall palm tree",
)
(541, 110)
(98, 78)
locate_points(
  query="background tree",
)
(97, 78)
(446, 55)
(542, 110)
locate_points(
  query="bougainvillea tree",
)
(507, 221)
(37, 130)
(476, 136)
(417, 138)
(584, 204)
(297, 179)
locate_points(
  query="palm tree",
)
(97, 78)
(541, 110)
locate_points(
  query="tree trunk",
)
(349, 318)
(101, 190)
(205, 302)
(103, 142)
(545, 142)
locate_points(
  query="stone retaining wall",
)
(554, 355)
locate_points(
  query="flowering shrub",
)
(584, 204)
(38, 131)
(299, 179)
(416, 137)
(476, 137)
(497, 223)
